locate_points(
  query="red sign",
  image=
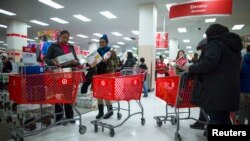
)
(29, 49)
(161, 40)
(85, 52)
(198, 8)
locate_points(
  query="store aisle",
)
(132, 129)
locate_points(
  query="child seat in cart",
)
(176, 91)
(122, 86)
(45, 88)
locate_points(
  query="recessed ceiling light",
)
(28, 26)
(169, 5)
(166, 51)
(95, 40)
(182, 30)
(129, 50)
(39, 22)
(204, 36)
(81, 17)
(71, 42)
(1, 42)
(59, 20)
(82, 36)
(120, 43)
(108, 15)
(127, 38)
(186, 41)
(3, 26)
(158, 53)
(135, 32)
(190, 51)
(116, 46)
(212, 20)
(71, 37)
(7, 12)
(188, 47)
(134, 48)
(97, 34)
(238, 27)
(51, 3)
(5, 44)
(116, 33)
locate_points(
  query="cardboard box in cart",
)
(87, 102)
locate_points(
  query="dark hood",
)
(231, 40)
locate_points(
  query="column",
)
(147, 29)
(16, 39)
(173, 49)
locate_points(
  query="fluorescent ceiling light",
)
(169, 5)
(127, 38)
(116, 46)
(36, 38)
(129, 50)
(204, 36)
(30, 40)
(120, 43)
(116, 33)
(158, 53)
(95, 40)
(108, 15)
(212, 20)
(134, 48)
(238, 27)
(7, 12)
(190, 51)
(186, 41)
(83, 18)
(39, 22)
(82, 36)
(166, 51)
(3, 26)
(59, 20)
(182, 30)
(97, 34)
(71, 37)
(188, 47)
(135, 32)
(71, 42)
(28, 26)
(51, 3)
(5, 44)
(1, 42)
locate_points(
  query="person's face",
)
(181, 54)
(102, 43)
(64, 38)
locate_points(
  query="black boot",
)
(110, 111)
(100, 109)
(198, 125)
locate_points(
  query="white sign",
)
(65, 58)
(29, 55)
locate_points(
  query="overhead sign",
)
(199, 8)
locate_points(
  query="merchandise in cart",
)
(45, 88)
(123, 86)
(176, 91)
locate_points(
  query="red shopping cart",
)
(123, 86)
(176, 91)
(46, 88)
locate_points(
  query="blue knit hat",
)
(105, 38)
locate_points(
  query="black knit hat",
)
(216, 29)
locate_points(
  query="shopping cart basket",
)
(46, 88)
(176, 91)
(123, 86)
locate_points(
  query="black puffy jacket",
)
(219, 69)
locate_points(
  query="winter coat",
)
(102, 66)
(130, 62)
(219, 70)
(245, 74)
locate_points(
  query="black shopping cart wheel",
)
(21, 139)
(159, 122)
(82, 129)
(112, 132)
(64, 123)
(96, 128)
(119, 116)
(177, 137)
(173, 120)
(143, 121)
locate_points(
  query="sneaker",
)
(197, 125)
(145, 95)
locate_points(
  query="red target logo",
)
(64, 81)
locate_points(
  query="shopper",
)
(57, 49)
(130, 62)
(200, 124)
(161, 67)
(244, 110)
(180, 62)
(102, 69)
(145, 68)
(219, 71)
(195, 59)
(7, 66)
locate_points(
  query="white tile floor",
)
(132, 129)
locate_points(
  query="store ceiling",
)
(127, 12)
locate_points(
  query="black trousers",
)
(88, 81)
(67, 109)
(202, 117)
(219, 117)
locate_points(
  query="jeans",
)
(145, 87)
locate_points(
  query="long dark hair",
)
(179, 52)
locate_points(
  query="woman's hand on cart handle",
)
(55, 62)
(73, 62)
